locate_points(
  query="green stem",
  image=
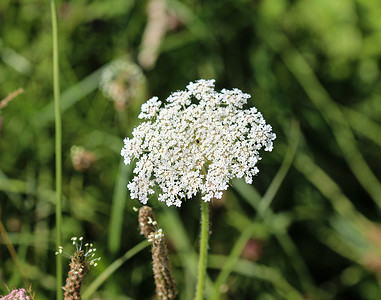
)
(58, 147)
(112, 268)
(202, 263)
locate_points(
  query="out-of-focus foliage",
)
(313, 68)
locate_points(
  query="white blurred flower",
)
(123, 82)
(196, 143)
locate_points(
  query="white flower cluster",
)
(196, 143)
(87, 253)
(158, 234)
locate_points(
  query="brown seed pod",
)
(164, 280)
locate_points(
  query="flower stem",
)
(202, 263)
(58, 146)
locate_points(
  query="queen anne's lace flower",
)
(196, 143)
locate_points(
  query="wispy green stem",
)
(58, 146)
(112, 268)
(329, 109)
(203, 256)
(117, 208)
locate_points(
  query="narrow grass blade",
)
(341, 203)
(112, 268)
(249, 269)
(363, 125)
(117, 208)
(69, 97)
(331, 112)
(58, 145)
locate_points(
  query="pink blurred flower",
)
(17, 294)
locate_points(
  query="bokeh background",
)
(309, 225)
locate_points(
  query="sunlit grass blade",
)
(261, 272)
(331, 239)
(363, 125)
(69, 97)
(306, 77)
(13, 253)
(58, 146)
(112, 268)
(330, 189)
(117, 208)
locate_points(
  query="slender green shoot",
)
(203, 258)
(117, 208)
(112, 268)
(341, 130)
(58, 146)
(283, 170)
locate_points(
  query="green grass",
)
(313, 212)
(58, 146)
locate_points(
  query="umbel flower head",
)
(195, 143)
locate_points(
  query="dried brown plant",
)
(78, 269)
(164, 280)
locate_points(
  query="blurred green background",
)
(308, 227)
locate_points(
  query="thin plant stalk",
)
(91, 289)
(319, 96)
(58, 147)
(12, 251)
(203, 257)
